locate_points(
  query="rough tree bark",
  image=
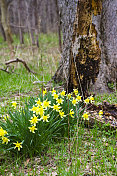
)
(5, 21)
(86, 36)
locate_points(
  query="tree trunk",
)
(5, 21)
(87, 43)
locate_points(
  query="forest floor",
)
(92, 152)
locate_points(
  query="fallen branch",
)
(23, 62)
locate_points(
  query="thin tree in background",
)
(20, 28)
(5, 21)
(59, 25)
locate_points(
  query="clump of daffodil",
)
(44, 92)
(62, 93)
(38, 102)
(86, 116)
(14, 104)
(71, 113)
(78, 98)
(101, 113)
(75, 91)
(46, 104)
(18, 145)
(74, 102)
(3, 132)
(32, 129)
(45, 118)
(5, 140)
(62, 114)
(87, 100)
(59, 100)
(34, 120)
(56, 107)
(91, 99)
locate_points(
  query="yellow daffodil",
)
(45, 118)
(55, 96)
(69, 95)
(14, 104)
(46, 104)
(32, 129)
(56, 107)
(71, 113)
(53, 91)
(78, 98)
(59, 101)
(34, 120)
(6, 117)
(18, 145)
(44, 91)
(34, 109)
(91, 99)
(75, 91)
(62, 93)
(101, 113)
(62, 114)
(74, 102)
(40, 111)
(2, 132)
(38, 102)
(87, 100)
(5, 140)
(86, 116)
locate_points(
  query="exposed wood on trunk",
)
(85, 51)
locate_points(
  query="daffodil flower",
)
(75, 91)
(71, 113)
(87, 100)
(46, 104)
(40, 111)
(55, 96)
(38, 102)
(86, 116)
(14, 104)
(44, 91)
(53, 91)
(59, 101)
(32, 129)
(74, 102)
(69, 95)
(34, 109)
(101, 113)
(34, 120)
(18, 145)
(91, 99)
(3, 132)
(62, 93)
(62, 114)
(56, 107)
(5, 140)
(78, 98)
(45, 118)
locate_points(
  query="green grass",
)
(92, 151)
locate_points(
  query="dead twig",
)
(23, 62)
